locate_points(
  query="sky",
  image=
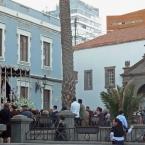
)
(107, 7)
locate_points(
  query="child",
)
(117, 133)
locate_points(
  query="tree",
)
(121, 98)
(68, 84)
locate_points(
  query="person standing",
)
(117, 133)
(90, 114)
(100, 116)
(75, 108)
(5, 117)
(54, 116)
(84, 115)
(60, 133)
(123, 120)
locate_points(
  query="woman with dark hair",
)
(5, 116)
(117, 133)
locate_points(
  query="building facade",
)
(30, 42)
(100, 62)
(132, 19)
(85, 21)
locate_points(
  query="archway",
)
(141, 90)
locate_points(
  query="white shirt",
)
(123, 120)
(75, 108)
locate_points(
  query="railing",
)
(43, 129)
(69, 134)
(137, 134)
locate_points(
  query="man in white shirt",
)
(75, 108)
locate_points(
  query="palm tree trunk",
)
(68, 85)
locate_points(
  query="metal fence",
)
(43, 129)
(69, 134)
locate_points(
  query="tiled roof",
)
(114, 37)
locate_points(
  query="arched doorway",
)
(141, 90)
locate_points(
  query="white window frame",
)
(3, 27)
(28, 34)
(47, 87)
(86, 86)
(49, 40)
(108, 83)
(22, 83)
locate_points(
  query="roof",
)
(137, 12)
(114, 37)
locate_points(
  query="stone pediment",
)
(136, 69)
(135, 75)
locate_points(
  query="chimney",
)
(127, 64)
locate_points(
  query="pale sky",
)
(107, 7)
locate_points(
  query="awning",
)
(14, 72)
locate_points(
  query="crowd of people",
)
(9, 110)
(84, 117)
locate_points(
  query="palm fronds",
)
(121, 98)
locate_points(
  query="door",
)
(46, 99)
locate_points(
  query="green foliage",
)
(24, 101)
(121, 98)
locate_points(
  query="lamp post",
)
(44, 81)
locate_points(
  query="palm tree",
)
(121, 98)
(68, 85)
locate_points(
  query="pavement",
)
(70, 143)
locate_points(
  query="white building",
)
(99, 62)
(85, 21)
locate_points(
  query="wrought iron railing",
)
(43, 129)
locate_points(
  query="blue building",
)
(30, 55)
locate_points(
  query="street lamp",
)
(44, 81)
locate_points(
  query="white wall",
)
(96, 59)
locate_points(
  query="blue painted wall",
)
(11, 43)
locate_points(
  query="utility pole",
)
(75, 25)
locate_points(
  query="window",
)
(2, 41)
(76, 75)
(46, 96)
(46, 53)
(109, 77)
(23, 47)
(24, 92)
(46, 99)
(84, 26)
(88, 80)
(23, 88)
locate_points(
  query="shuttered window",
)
(110, 77)
(1, 41)
(88, 83)
(46, 99)
(23, 92)
(46, 53)
(23, 48)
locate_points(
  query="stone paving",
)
(70, 143)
